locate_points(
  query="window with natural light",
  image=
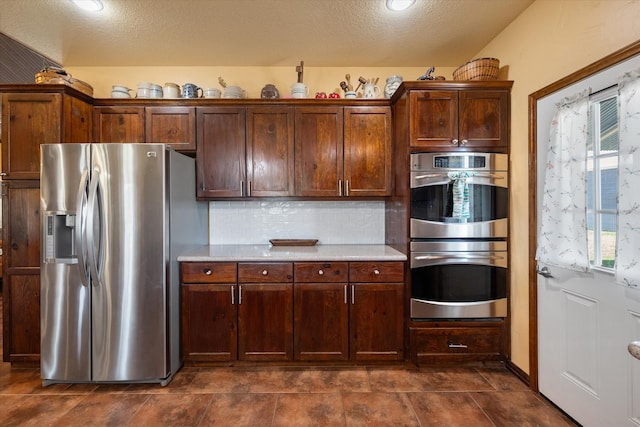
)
(602, 179)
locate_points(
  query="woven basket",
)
(478, 69)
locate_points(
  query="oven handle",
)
(431, 257)
(478, 175)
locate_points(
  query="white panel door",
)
(586, 321)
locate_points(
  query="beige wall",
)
(548, 41)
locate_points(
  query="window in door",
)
(602, 179)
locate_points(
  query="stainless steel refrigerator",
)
(114, 217)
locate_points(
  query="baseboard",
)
(524, 377)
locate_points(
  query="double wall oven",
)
(459, 228)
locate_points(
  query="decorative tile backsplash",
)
(255, 222)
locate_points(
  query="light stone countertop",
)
(240, 253)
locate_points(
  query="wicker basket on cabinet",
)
(478, 69)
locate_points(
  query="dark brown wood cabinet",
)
(175, 126)
(209, 312)
(376, 317)
(30, 119)
(21, 270)
(237, 311)
(292, 150)
(446, 116)
(245, 152)
(321, 309)
(343, 151)
(269, 151)
(459, 116)
(265, 311)
(303, 311)
(447, 342)
(367, 151)
(78, 120)
(358, 320)
(118, 124)
(162, 124)
(31, 115)
(319, 158)
(220, 152)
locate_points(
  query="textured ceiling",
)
(322, 33)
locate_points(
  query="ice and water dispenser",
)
(60, 238)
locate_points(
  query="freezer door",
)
(127, 254)
(65, 297)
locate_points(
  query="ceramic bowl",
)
(120, 94)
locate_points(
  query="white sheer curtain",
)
(627, 265)
(562, 240)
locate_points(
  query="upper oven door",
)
(469, 200)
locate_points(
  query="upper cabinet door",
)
(175, 126)
(460, 120)
(318, 148)
(28, 120)
(270, 151)
(220, 154)
(434, 118)
(367, 151)
(483, 121)
(118, 124)
(78, 120)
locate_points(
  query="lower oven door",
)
(458, 279)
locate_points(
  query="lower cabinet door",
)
(22, 318)
(209, 322)
(321, 329)
(376, 321)
(265, 321)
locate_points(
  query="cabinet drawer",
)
(208, 272)
(388, 272)
(478, 340)
(265, 272)
(321, 272)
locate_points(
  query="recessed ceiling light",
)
(92, 5)
(399, 4)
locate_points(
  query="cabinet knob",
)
(463, 142)
(265, 272)
(376, 272)
(207, 271)
(454, 142)
(320, 272)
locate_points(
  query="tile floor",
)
(473, 395)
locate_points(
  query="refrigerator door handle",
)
(91, 211)
(80, 234)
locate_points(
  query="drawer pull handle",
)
(454, 142)
(265, 272)
(452, 345)
(376, 272)
(320, 272)
(207, 271)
